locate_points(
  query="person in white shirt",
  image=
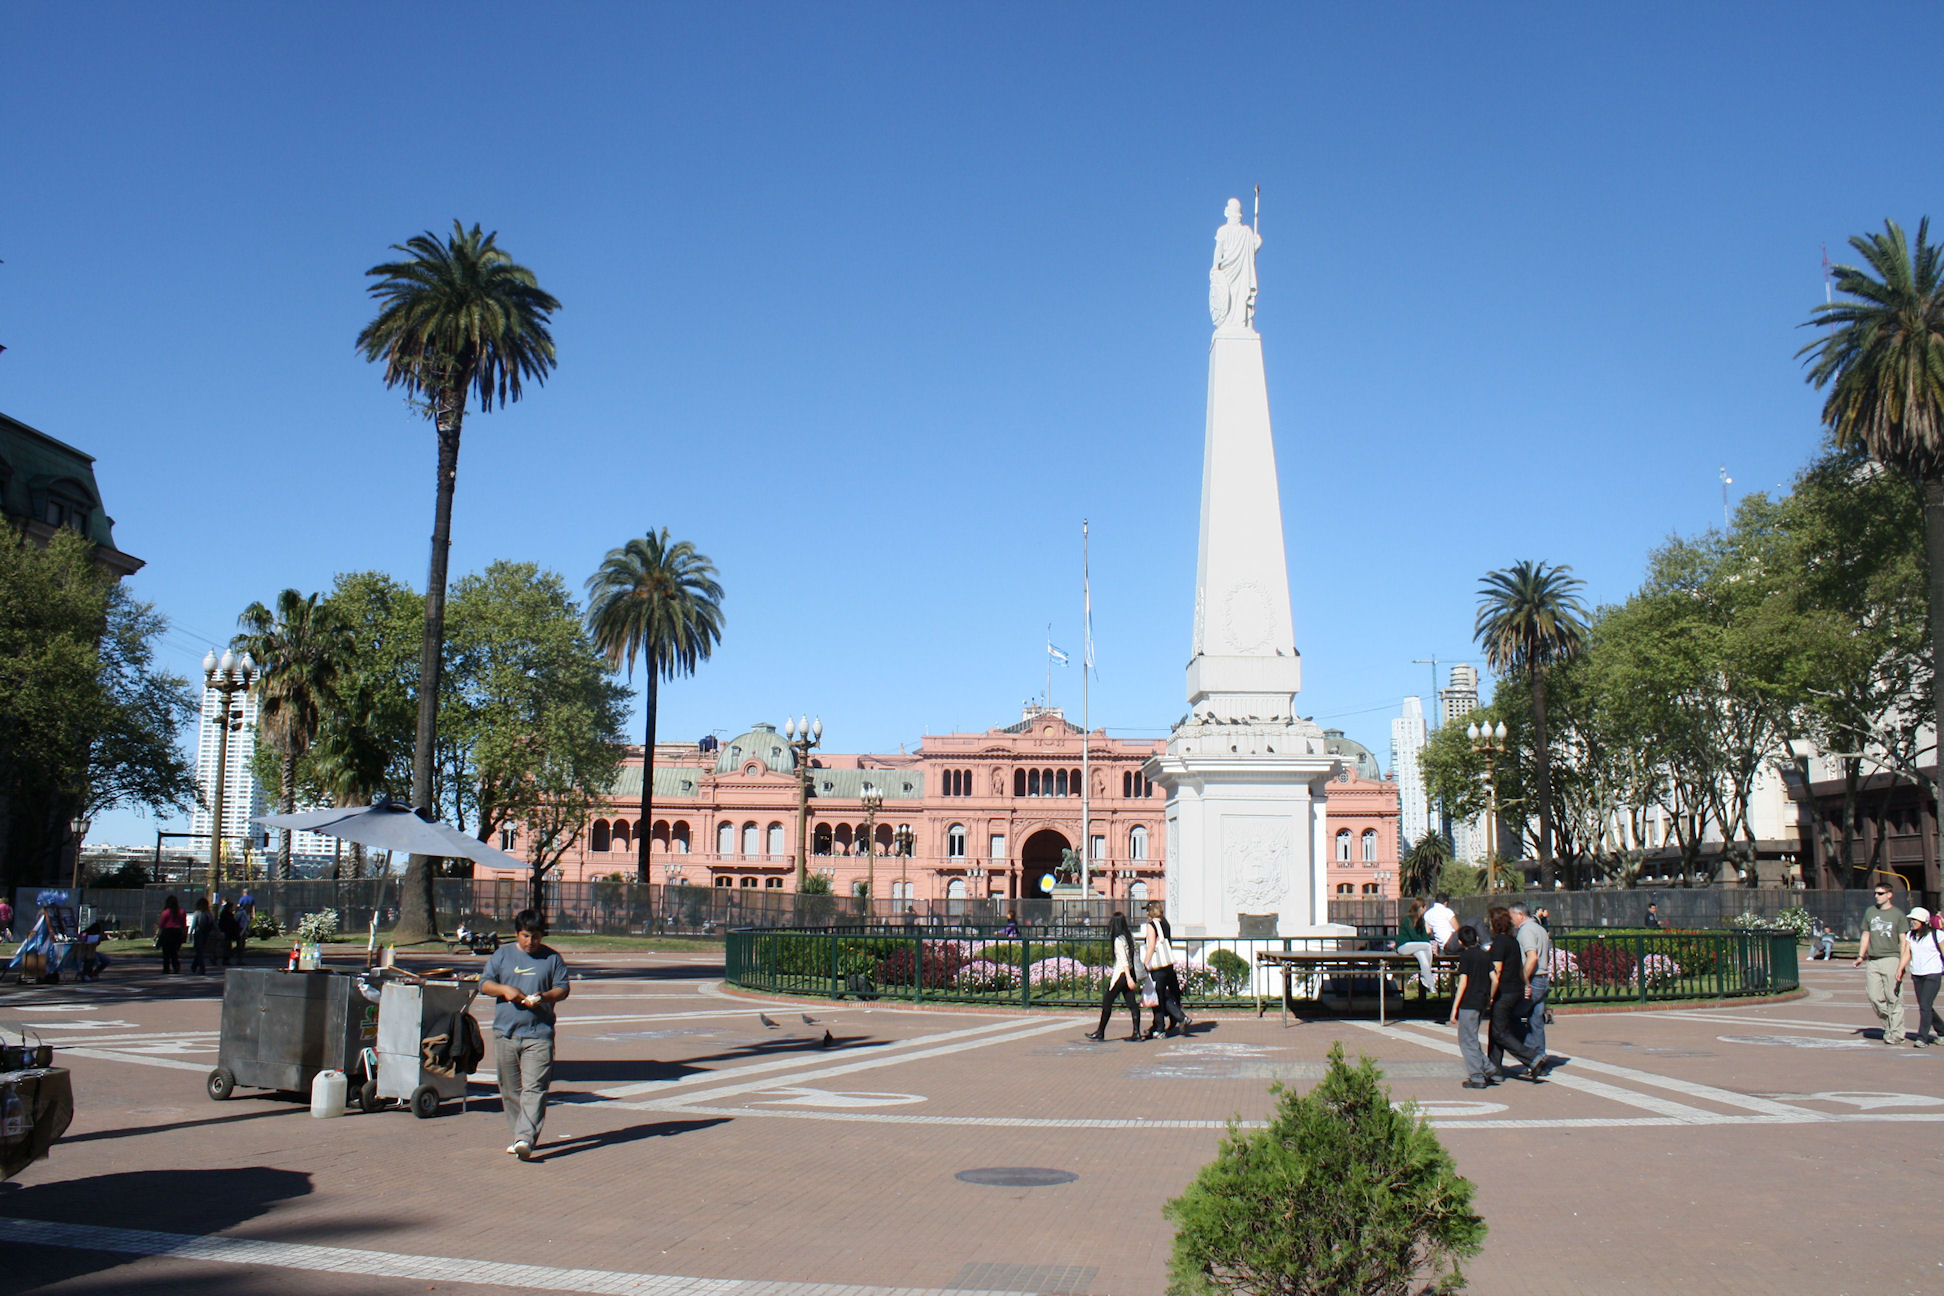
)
(1923, 958)
(1441, 922)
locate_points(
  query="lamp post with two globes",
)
(228, 676)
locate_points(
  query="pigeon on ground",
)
(828, 1040)
(808, 1020)
(766, 1021)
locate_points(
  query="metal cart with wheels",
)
(281, 1028)
(410, 1013)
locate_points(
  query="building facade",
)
(986, 816)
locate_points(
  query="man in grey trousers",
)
(1535, 953)
(528, 978)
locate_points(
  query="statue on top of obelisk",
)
(1232, 279)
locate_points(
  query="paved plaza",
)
(710, 1143)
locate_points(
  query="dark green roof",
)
(47, 481)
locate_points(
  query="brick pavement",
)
(1760, 1149)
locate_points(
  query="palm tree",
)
(661, 600)
(1883, 362)
(1423, 863)
(459, 316)
(1529, 619)
(303, 649)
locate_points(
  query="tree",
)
(301, 648)
(458, 317)
(135, 756)
(1529, 619)
(531, 737)
(1424, 863)
(1882, 359)
(1340, 1194)
(658, 599)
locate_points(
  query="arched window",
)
(775, 846)
(597, 837)
(884, 838)
(725, 838)
(1019, 783)
(1060, 782)
(752, 840)
(820, 840)
(1137, 842)
(1370, 846)
(1343, 845)
(843, 839)
(955, 889)
(1371, 888)
(1127, 783)
(1032, 783)
(1073, 782)
(680, 842)
(637, 830)
(620, 839)
(661, 834)
(1137, 892)
(955, 841)
(1346, 888)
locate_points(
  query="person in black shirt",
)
(1508, 999)
(1472, 1003)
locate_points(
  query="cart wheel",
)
(368, 1096)
(222, 1083)
(425, 1102)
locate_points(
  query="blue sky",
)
(875, 304)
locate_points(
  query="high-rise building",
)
(1407, 745)
(1460, 699)
(243, 797)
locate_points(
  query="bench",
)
(1383, 964)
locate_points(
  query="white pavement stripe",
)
(1599, 1089)
(809, 1075)
(784, 1064)
(152, 1037)
(1705, 1092)
(212, 1248)
(140, 1059)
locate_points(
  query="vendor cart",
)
(281, 1028)
(423, 1052)
(36, 1101)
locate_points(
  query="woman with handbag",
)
(1157, 940)
(1923, 958)
(1125, 980)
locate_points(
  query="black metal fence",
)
(1699, 908)
(1069, 969)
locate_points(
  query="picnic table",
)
(1383, 964)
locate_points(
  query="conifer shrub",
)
(1340, 1194)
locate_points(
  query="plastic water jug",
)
(328, 1093)
(14, 1120)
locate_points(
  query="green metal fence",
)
(1068, 969)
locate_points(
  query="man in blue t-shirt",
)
(528, 978)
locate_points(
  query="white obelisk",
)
(1245, 777)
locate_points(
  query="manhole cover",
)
(1017, 1176)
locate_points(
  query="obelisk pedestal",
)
(1245, 777)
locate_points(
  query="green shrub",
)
(1340, 1193)
(1230, 969)
(315, 927)
(264, 927)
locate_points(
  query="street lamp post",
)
(229, 676)
(802, 734)
(1488, 741)
(79, 827)
(872, 799)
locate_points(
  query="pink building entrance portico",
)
(987, 815)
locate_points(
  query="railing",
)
(1069, 968)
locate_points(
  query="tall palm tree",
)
(303, 649)
(458, 317)
(660, 599)
(1883, 362)
(1529, 619)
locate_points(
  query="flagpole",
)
(1046, 698)
(1086, 724)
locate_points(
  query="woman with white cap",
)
(1923, 958)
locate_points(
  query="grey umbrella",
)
(389, 826)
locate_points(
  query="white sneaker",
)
(523, 1150)
(513, 1149)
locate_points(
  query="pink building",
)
(983, 814)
